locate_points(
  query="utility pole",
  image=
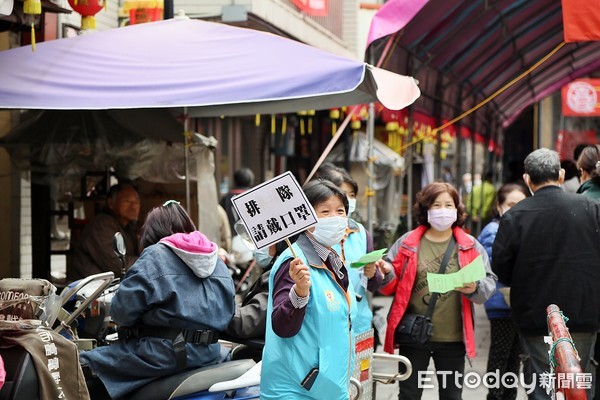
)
(168, 9)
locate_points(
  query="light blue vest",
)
(325, 340)
(355, 246)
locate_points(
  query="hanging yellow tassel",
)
(284, 125)
(31, 8)
(88, 22)
(257, 120)
(32, 36)
(333, 128)
(310, 126)
(273, 124)
(302, 127)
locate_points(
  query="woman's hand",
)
(300, 274)
(467, 288)
(369, 270)
(383, 266)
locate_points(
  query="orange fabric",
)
(401, 289)
(581, 20)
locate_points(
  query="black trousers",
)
(449, 360)
(504, 356)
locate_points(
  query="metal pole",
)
(168, 9)
(371, 156)
(186, 161)
(472, 194)
(409, 161)
(458, 149)
(437, 114)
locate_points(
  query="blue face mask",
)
(262, 257)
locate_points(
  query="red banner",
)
(315, 8)
(581, 20)
(580, 98)
(566, 141)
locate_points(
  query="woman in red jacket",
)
(440, 215)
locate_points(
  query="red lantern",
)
(88, 9)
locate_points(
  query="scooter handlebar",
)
(106, 279)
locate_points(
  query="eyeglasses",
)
(171, 202)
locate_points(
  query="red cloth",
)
(2, 373)
(581, 20)
(402, 289)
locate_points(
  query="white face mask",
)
(442, 218)
(351, 206)
(330, 231)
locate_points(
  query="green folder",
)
(442, 283)
(369, 258)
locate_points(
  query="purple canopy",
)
(212, 68)
(463, 51)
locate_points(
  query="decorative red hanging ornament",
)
(31, 8)
(88, 9)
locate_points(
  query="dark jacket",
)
(547, 250)
(590, 188)
(93, 250)
(227, 205)
(250, 318)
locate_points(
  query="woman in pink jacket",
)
(439, 215)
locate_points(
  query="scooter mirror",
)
(241, 230)
(119, 245)
(120, 250)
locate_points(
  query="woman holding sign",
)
(309, 351)
(356, 243)
(436, 323)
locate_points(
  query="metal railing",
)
(564, 359)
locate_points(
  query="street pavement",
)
(482, 335)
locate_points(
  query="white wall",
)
(25, 244)
(286, 18)
(365, 16)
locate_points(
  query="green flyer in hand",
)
(369, 258)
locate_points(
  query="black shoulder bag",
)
(418, 328)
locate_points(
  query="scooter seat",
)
(191, 381)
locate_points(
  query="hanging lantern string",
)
(492, 96)
(32, 8)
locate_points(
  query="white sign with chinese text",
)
(274, 210)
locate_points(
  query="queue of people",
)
(309, 305)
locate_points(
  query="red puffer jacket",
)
(402, 288)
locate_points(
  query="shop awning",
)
(479, 46)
